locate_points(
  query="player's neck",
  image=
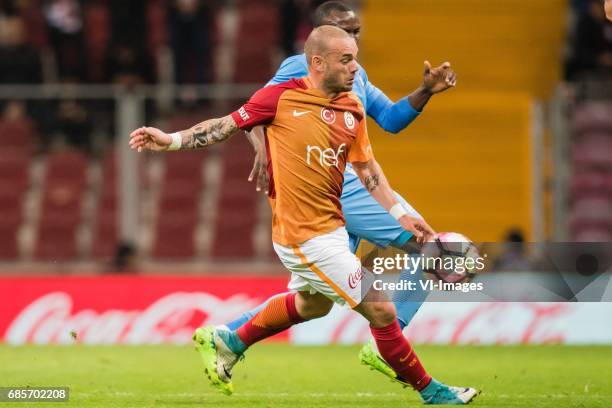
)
(320, 86)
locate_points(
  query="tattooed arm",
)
(374, 180)
(208, 133)
(371, 175)
(201, 135)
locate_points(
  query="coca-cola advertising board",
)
(156, 309)
(124, 309)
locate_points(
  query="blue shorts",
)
(366, 219)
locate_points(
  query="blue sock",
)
(232, 340)
(406, 311)
(407, 303)
(248, 315)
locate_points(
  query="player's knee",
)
(312, 306)
(380, 313)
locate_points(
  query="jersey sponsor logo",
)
(355, 277)
(298, 114)
(326, 157)
(243, 114)
(328, 115)
(349, 120)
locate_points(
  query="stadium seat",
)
(174, 236)
(592, 234)
(181, 196)
(591, 183)
(11, 204)
(55, 242)
(63, 190)
(593, 151)
(69, 165)
(14, 170)
(178, 206)
(105, 238)
(593, 208)
(9, 250)
(105, 226)
(236, 208)
(184, 166)
(18, 135)
(234, 235)
(593, 117)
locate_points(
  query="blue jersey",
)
(365, 218)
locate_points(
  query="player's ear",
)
(318, 63)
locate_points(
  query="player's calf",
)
(391, 343)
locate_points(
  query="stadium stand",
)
(591, 184)
(483, 126)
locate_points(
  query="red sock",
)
(278, 315)
(396, 351)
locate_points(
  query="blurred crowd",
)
(101, 41)
(126, 43)
(118, 41)
(590, 42)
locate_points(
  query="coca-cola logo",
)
(505, 323)
(172, 318)
(467, 323)
(355, 277)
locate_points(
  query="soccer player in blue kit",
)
(365, 217)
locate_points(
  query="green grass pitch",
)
(277, 375)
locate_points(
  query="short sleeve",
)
(361, 150)
(260, 109)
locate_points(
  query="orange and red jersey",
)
(309, 139)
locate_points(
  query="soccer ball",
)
(451, 257)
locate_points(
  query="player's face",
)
(341, 66)
(348, 21)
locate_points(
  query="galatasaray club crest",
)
(349, 120)
(328, 115)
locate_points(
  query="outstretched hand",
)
(150, 138)
(439, 79)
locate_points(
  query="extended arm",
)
(373, 178)
(395, 116)
(608, 7)
(201, 135)
(208, 132)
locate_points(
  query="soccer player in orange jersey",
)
(314, 126)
